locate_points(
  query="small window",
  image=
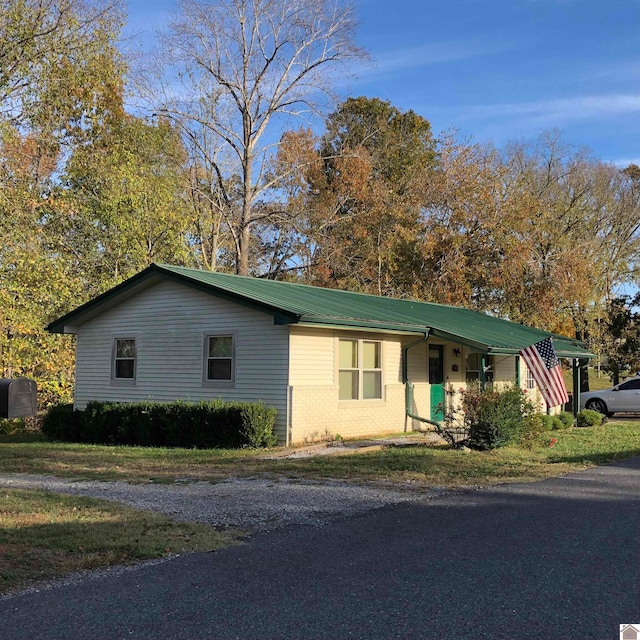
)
(360, 370)
(219, 360)
(348, 374)
(124, 361)
(371, 371)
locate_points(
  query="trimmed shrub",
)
(589, 418)
(61, 422)
(203, 425)
(551, 423)
(257, 425)
(563, 420)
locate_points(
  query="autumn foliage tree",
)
(366, 195)
(539, 233)
(60, 73)
(123, 202)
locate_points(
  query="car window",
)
(629, 385)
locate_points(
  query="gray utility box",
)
(18, 398)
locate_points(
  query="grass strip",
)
(45, 535)
(571, 449)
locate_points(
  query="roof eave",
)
(359, 324)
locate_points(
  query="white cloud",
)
(557, 111)
(625, 162)
(386, 63)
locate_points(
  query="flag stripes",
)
(547, 372)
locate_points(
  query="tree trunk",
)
(242, 263)
(244, 237)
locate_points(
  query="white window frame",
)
(489, 368)
(361, 370)
(114, 359)
(215, 382)
(531, 381)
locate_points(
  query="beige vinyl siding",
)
(170, 322)
(416, 361)
(312, 356)
(316, 411)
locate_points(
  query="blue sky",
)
(498, 70)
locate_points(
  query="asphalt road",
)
(554, 559)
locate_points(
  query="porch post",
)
(517, 359)
(483, 364)
(576, 386)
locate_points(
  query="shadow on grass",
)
(22, 437)
(47, 535)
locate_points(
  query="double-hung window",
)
(360, 369)
(124, 359)
(219, 358)
(474, 368)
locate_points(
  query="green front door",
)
(436, 380)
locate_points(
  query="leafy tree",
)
(367, 199)
(123, 197)
(60, 78)
(59, 66)
(538, 233)
(457, 251)
(622, 339)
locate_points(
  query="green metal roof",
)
(292, 303)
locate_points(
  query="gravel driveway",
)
(250, 504)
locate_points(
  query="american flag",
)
(545, 368)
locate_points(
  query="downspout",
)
(408, 386)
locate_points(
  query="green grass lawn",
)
(573, 449)
(47, 535)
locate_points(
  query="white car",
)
(624, 397)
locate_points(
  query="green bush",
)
(589, 418)
(496, 418)
(10, 426)
(551, 423)
(534, 425)
(567, 419)
(563, 420)
(257, 425)
(203, 425)
(61, 422)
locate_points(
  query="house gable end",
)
(150, 276)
